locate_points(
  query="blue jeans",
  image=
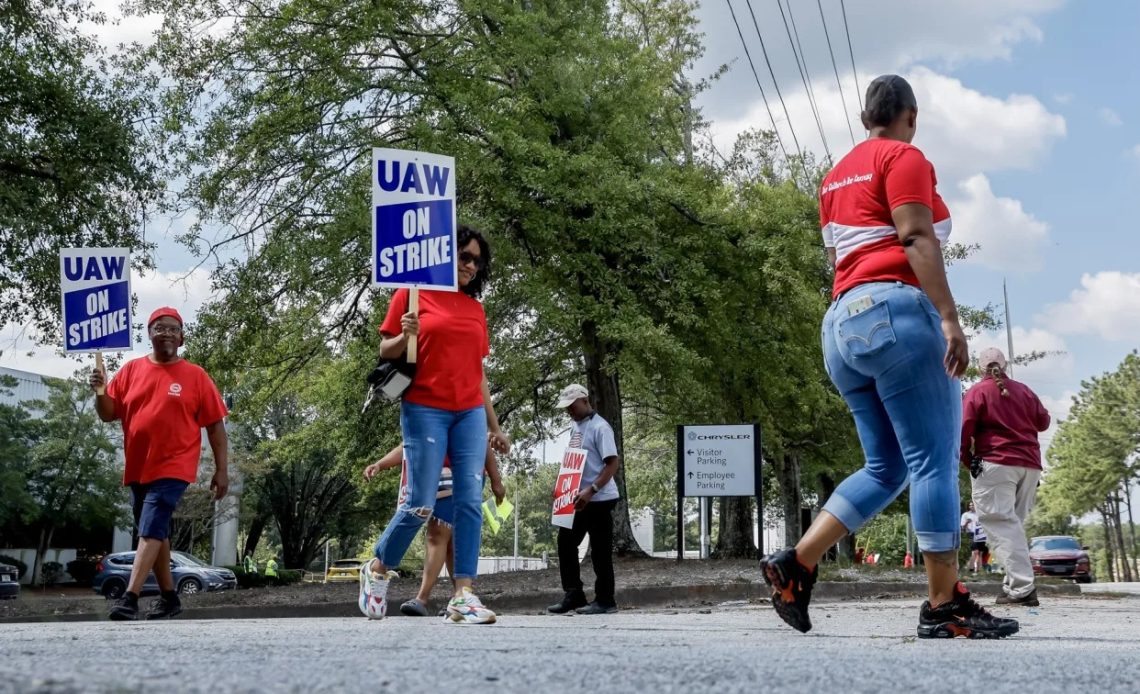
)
(886, 362)
(429, 435)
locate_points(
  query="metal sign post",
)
(717, 460)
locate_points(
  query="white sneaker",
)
(468, 609)
(373, 598)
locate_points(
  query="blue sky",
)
(1029, 110)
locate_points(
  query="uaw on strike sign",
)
(413, 220)
(96, 290)
(566, 488)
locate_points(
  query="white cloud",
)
(21, 347)
(1111, 117)
(1042, 373)
(887, 36)
(1063, 99)
(1106, 305)
(1010, 238)
(961, 130)
(120, 29)
(1059, 407)
(1133, 151)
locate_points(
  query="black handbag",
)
(389, 380)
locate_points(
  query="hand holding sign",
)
(99, 376)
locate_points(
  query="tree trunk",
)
(605, 387)
(256, 528)
(1132, 528)
(734, 538)
(1108, 553)
(788, 474)
(846, 546)
(1125, 567)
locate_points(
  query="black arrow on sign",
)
(690, 475)
(690, 451)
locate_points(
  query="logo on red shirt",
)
(175, 390)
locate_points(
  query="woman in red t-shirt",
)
(894, 349)
(446, 412)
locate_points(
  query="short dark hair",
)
(464, 236)
(888, 97)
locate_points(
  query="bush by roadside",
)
(259, 580)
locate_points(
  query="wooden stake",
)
(101, 390)
(414, 307)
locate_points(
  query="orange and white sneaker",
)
(791, 584)
(468, 609)
(373, 597)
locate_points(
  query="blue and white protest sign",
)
(413, 220)
(96, 289)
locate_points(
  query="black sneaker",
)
(165, 607)
(570, 602)
(595, 608)
(791, 586)
(1028, 601)
(126, 608)
(962, 617)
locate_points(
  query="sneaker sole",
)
(949, 630)
(166, 615)
(456, 618)
(776, 580)
(122, 617)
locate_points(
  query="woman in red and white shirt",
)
(894, 349)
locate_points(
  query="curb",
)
(646, 597)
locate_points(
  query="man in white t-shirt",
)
(593, 511)
(972, 527)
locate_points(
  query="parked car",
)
(9, 582)
(1061, 556)
(191, 575)
(344, 571)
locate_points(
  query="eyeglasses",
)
(471, 259)
(165, 330)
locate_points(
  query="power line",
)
(763, 96)
(851, 51)
(805, 77)
(787, 116)
(834, 66)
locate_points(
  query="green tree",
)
(75, 168)
(72, 473)
(1095, 461)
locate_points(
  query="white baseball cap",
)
(571, 393)
(992, 355)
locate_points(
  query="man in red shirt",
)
(164, 402)
(1000, 422)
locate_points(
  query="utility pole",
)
(1008, 328)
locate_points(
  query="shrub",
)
(82, 570)
(21, 567)
(51, 573)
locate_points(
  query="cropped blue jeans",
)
(883, 347)
(429, 435)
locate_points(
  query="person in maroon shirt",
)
(1001, 419)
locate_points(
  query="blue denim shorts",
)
(444, 511)
(153, 505)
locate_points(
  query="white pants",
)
(1003, 497)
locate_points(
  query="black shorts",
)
(979, 547)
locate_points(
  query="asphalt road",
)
(1079, 644)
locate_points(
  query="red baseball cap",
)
(163, 312)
